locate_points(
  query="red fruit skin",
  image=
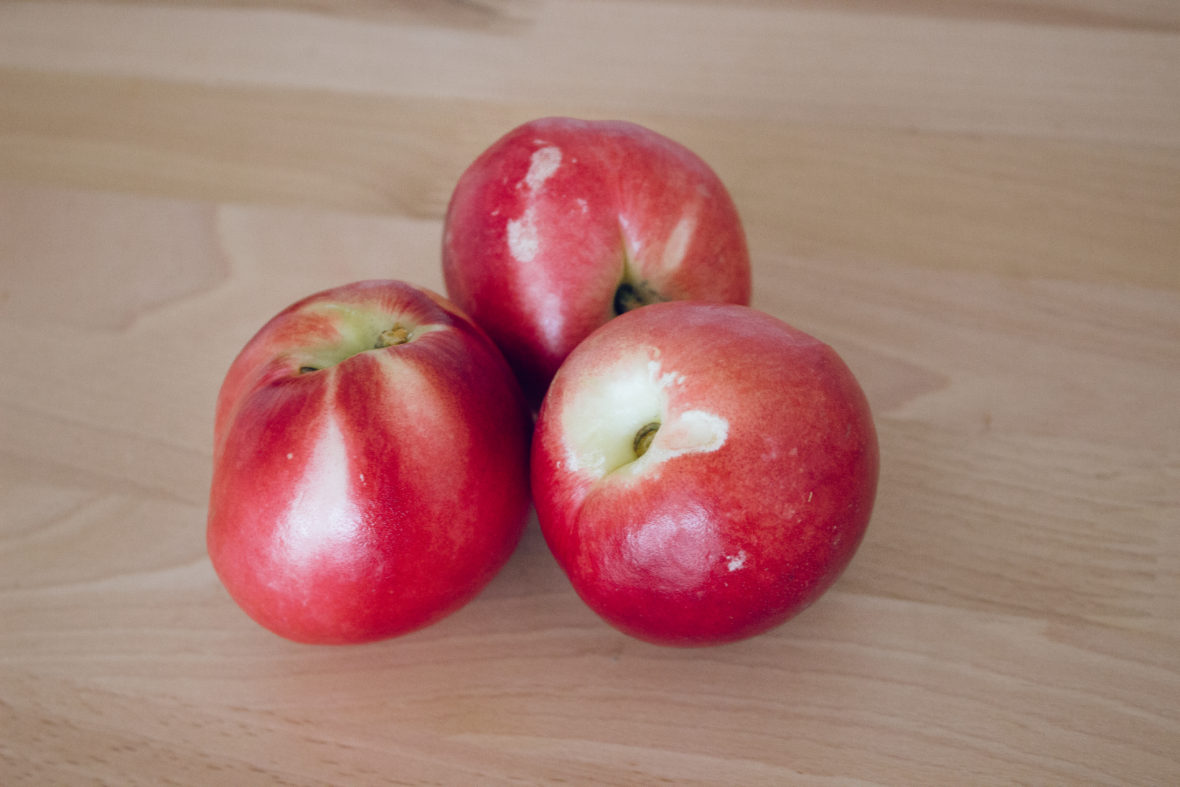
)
(374, 496)
(711, 546)
(544, 226)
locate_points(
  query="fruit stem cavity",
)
(632, 295)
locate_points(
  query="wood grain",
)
(976, 204)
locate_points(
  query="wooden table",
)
(976, 203)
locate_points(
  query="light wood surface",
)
(976, 203)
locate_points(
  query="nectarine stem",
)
(643, 438)
(394, 336)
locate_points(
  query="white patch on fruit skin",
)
(543, 163)
(290, 456)
(633, 240)
(734, 562)
(663, 380)
(321, 504)
(694, 432)
(524, 242)
(601, 423)
(676, 247)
